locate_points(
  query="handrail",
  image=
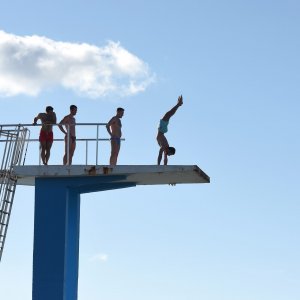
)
(56, 124)
(6, 127)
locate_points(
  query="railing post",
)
(22, 146)
(24, 156)
(68, 144)
(97, 140)
(40, 149)
(86, 152)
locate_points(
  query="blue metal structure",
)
(56, 232)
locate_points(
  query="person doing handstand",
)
(162, 129)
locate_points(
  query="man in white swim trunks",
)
(162, 129)
(69, 123)
(114, 129)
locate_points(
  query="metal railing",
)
(87, 138)
(14, 152)
(15, 140)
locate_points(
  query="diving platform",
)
(137, 174)
(57, 213)
(57, 199)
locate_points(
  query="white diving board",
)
(139, 174)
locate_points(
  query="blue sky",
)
(237, 65)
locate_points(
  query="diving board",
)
(139, 174)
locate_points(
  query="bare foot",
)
(180, 100)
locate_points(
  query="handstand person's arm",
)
(165, 157)
(172, 111)
(161, 152)
(159, 156)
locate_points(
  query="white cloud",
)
(100, 257)
(30, 64)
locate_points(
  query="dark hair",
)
(49, 108)
(120, 109)
(171, 151)
(73, 106)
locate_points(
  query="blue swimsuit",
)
(163, 126)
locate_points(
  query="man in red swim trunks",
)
(46, 133)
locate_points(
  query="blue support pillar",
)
(56, 241)
(56, 233)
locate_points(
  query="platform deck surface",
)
(140, 174)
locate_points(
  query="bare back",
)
(115, 126)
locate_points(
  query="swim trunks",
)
(163, 126)
(46, 136)
(116, 139)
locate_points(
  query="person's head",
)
(171, 151)
(120, 112)
(73, 109)
(49, 109)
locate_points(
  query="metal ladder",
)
(13, 142)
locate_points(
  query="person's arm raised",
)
(36, 119)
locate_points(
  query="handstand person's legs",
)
(172, 111)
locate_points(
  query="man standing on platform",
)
(46, 133)
(114, 129)
(69, 123)
(162, 129)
